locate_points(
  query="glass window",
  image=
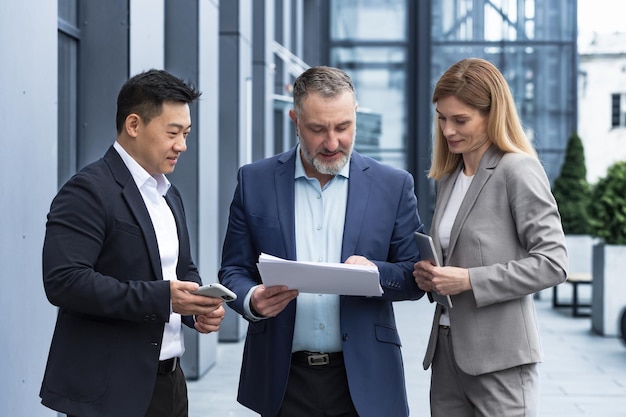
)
(381, 88)
(533, 43)
(368, 20)
(503, 20)
(368, 56)
(618, 110)
(368, 40)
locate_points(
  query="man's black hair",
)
(145, 93)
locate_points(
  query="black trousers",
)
(317, 391)
(169, 398)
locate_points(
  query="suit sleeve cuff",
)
(247, 307)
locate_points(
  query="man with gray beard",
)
(322, 354)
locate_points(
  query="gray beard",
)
(322, 168)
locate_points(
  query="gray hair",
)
(328, 82)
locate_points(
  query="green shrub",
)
(608, 206)
(571, 189)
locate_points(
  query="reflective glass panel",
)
(379, 75)
(368, 20)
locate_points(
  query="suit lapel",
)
(176, 205)
(487, 164)
(443, 192)
(285, 197)
(359, 187)
(135, 202)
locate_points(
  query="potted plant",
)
(571, 189)
(608, 222)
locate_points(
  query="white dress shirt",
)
(153, 190)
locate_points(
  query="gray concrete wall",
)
(192, 53)
(209, 240)
(28, 115)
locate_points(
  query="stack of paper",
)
(320, 277)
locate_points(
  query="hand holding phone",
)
(216, 290)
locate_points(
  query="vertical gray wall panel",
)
(181, 59)
(182, 40)
(206, 126)
(420, 107)
(235, 57)
(28, 113)
(103, 69)
(262, 77)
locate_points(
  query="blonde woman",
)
(497, 228)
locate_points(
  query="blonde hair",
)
(479, 84)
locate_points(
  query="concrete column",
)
(235, 142)
(191, 53)
(262, 79)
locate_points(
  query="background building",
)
(602, 102)
(64, 64)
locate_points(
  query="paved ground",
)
(583, 374)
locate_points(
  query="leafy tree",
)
(572, 191)
(608, 206)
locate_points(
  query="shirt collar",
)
(140, 175)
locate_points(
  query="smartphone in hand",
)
(216, 290)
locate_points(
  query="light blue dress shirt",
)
(319, 215)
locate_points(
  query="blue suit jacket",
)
(101, 267)
(380, 221)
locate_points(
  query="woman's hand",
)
(446, 280)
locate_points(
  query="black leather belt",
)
(167, 366)
(317, 358)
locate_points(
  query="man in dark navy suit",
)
(117, 263)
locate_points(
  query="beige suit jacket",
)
(508, 234)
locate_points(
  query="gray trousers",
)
(510, 392)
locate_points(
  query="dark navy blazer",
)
(101, 267)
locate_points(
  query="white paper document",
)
(320, 277)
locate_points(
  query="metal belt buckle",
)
(318, 359)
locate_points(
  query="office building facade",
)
(64, 62)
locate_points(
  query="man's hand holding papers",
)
(321, 277)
